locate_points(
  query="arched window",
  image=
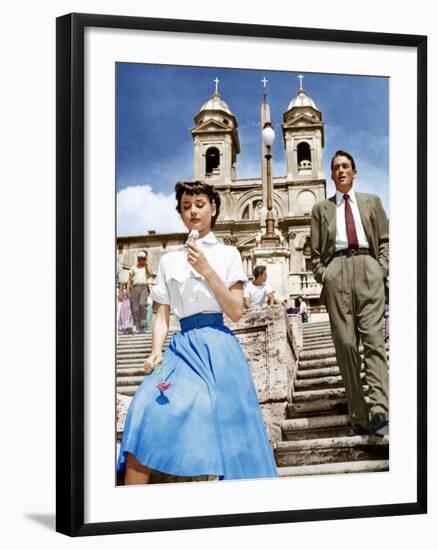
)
(212, 161)
(304, 158)
(307, 247)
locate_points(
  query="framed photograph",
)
(229, 200)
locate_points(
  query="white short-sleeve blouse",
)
(184, 289)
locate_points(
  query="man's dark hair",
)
(341, 153)
(198, 188)
(258, 270)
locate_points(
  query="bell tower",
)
(215, 142)
(303, 135)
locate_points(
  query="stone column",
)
(277, 261)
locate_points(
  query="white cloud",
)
(140, 209)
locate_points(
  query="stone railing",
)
(304, 283)
(271, 347)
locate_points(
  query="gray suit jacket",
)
(323, 232)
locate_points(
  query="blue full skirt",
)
(208, 422)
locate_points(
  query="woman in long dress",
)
(126, 320)
(196, 412)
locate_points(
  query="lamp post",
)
(270, 238)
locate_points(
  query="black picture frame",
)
(70, 272)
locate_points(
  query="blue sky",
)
(155, 106)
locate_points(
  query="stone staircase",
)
(314, 440)
(132, 350)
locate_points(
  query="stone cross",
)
(264, 82)
(216, 81)
(300, 76)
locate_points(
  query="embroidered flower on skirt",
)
(163, 385)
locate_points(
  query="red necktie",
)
(349, 224)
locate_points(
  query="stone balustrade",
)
(270, 340)
(304, 283)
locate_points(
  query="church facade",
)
(242, 219)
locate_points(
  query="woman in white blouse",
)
(196, 412)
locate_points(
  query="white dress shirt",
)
(341, 229)
(184, 289)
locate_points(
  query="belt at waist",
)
(352, 252)
(201, 320)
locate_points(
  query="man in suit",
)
(350, 258)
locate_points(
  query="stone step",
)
(316, 331)
(316, 340)
(307, 340)
(317, 363)
(311, 326)
(309, 330)
(316, 395)
(324, 344)
(130, 371)
(123, 381)
(315, 325)
(133, 349)
(136, 356)
(131, 360)
(127, 390)
(136, 346)
(304, 374)
(122, 358)
(357, 467)
(322, 353)
(322, 362)
(315, 427)
(137, 349)
(145, 337)
(315, 335)
(321, 383)
(329, 450)
(132, 365)
(331, 406)
(133, 338)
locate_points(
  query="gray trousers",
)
(139, 298)
(355, 299)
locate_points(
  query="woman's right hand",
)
(152, 361)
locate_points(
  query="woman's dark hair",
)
(258, 270)
(198, 188)
(341, 153)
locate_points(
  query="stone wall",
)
(271, 349)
